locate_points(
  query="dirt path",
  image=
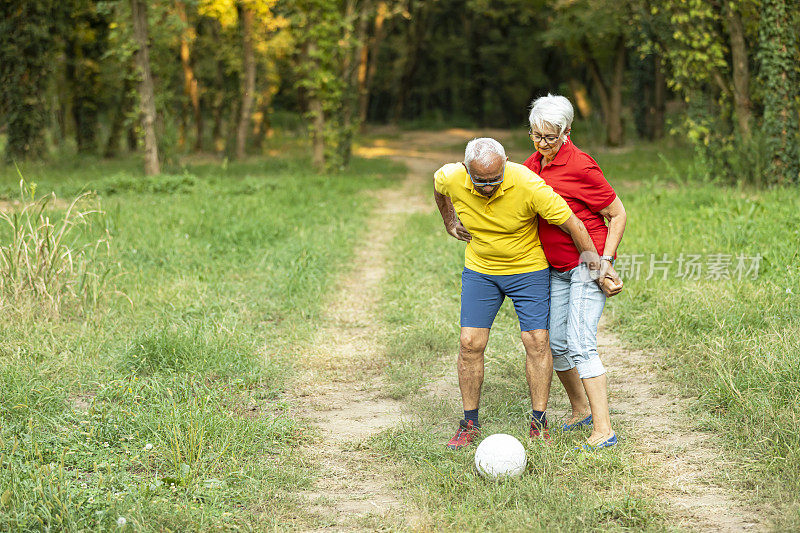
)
(341, 388)
(685, 462)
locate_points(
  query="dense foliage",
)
(779, 69)
(225, 73)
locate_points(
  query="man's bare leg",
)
(470, 365)
(576, 393)
(538, 366)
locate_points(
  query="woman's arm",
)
(614, 213)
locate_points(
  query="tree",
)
(28, 34)
(146, 92)
(191, 88)
(704, 48)
(324, 35)
(778, 55)
(261, 40)
(86, 44)
(594, 33)
(248, 80)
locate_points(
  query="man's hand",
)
(460, 232)
(609, 281)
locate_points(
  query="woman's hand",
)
(609, 281)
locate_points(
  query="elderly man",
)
(493, 204)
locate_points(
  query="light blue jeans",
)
(576, 304)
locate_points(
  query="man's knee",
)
(473, 342)
(537, 342)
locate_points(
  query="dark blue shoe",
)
(608, 443)
(575, 425)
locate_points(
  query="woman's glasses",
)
(549, 140)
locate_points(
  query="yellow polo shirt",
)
(504, 228)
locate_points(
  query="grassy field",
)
(164, 402)
(163, 405)
(734, 344)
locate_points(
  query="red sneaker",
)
(467, 432)
(540, 432)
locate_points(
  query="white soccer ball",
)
(500, 455)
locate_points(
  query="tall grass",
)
(167, 409)
(51, 260)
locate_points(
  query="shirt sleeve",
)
(595, 191)
(440, 182)
(549, 204)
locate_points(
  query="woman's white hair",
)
(551, 110)
(484, 150)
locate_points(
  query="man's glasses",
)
(548, 139)
(502, 176)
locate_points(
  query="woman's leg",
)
(586, 306)
(562, 363)
(597, 390)
(576, 393)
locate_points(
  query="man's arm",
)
(449, 217)
(608, 280)
(583, 242)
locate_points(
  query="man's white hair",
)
(484, 150)
(553, 111)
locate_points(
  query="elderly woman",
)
(577, 295)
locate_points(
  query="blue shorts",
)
(483, 294)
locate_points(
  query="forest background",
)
(223, 75)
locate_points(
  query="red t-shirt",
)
(578, 179)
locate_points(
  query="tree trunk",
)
(217, 107)
(610, 97)
(263, 128)
(369, 61)
(581, 98)
(350, 72)
(318, 116)
(146, 93)
(248, 81)
(416, 35)
(741, 71)
(190, 85)
(614, 126)
(122, 107)
(659, 100)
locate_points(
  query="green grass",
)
(735, 344)
(562, 490)
(164, 405)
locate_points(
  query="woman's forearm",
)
(616, 227)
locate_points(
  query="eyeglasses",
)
(548, 139)
(487, 183)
